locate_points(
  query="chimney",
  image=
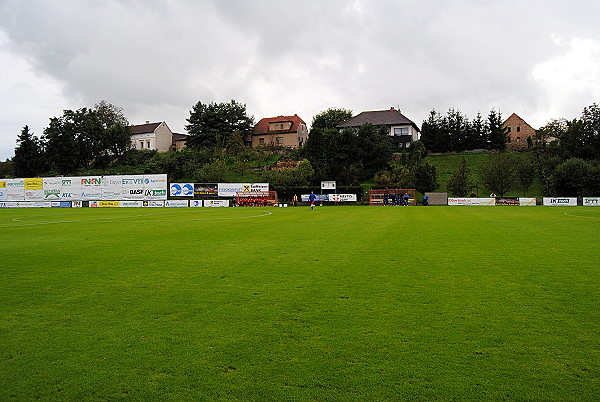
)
(147, 121)
(392, 108)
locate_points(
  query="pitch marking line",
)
(583, 216)
(129, 219)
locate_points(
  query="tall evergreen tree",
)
(459, 183)
(29, 160)
(497, 135)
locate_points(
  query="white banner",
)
(15, 189)
(176, 203)
(91, 187)
(231, 189)
(155, 187)
(527, 202)
(181, 190)
(133, 187)
(52, 188)
(196, 203)
(112, 187)
(154, 204)
(472, 201)
(76, 204)
(561, 201)
(216, 203)
(70, 189)
(591, 201)
(343, 197)
(132, 204)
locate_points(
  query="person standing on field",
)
(295, 200)
(312, 197)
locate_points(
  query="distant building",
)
(280, 131)
(156, 136)
(402, 130)
(518, 131)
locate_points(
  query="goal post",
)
(256, 199)
(392, 196)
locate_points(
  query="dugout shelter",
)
(256, 199)
(387, 196)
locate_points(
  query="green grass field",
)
(340, 303)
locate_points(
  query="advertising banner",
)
(131, 204)
(133, 187)
(181, 190)
(527, 202)
(230, 189)
(196, 203)
(70, 188)
(318, 197)
(60, 204)
(112, 187)
(342, 197)
(259, 187)
(109, 204)
(34, 189)
(76, 204)
(91, 187)
(216, 203)
(15, 189)
(155, 187)
(512, 201)
(153, 204)
(52, 188)
(176, 203)
(561, 201)
(3, 192)
(591, 201)
(202, 190)
(472, 201)
(37, 204)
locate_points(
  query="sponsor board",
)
(26, 204)
(109, 204)
(153, 204)
(318, 197)
(512, 201)
(342, 197)
(176, 203)
(472, 201)
(52, 188)
(216, 203)
(196, 203)
(131, 204)
(15, 189)
(591, 201)
(91, 187)
(76, 204)
(527, 202)
(112, 187)
(560, 201)
(202, 190)
(328, 185)
(60, 204)
(181, 190)
(231, 189)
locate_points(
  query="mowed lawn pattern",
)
(339, 303)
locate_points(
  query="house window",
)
(261, 141)
(400, 130)
(141, 144)
(518, 129)
(279, 140)
(148, 144)
(508, 130)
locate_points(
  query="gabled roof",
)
(179, 137)
(389, 117)
(516, 116)
(262, 127)
(144, 128)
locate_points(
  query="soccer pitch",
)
(339, 303)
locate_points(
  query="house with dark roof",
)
(280, 131)
(402, 130)
(156, 136)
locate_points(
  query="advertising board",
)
(560, 201)
(131, 204)
(591, 201)
(176, 203)
(216, 203)
(472, 201)
(342, 197)
(153, 204)
(181, 189)
(109, 204)
(527, 202)
(507, 201)
(196, 203)
(318, 197)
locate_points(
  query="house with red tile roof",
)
(280, 131)
(402, 130)
(156, 136)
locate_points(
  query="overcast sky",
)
(156, 59)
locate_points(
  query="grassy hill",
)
(447, 164)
